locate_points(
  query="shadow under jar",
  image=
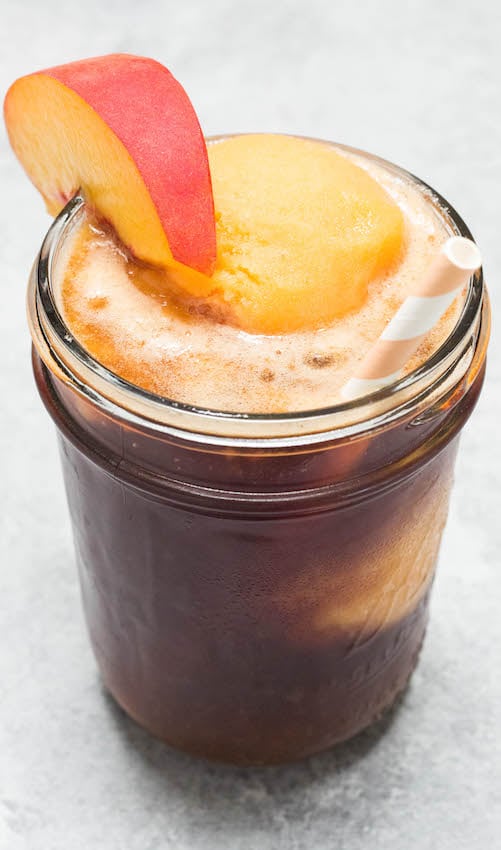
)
(255, 587)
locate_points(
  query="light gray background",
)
(419, 83)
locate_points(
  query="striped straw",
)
(448, 273)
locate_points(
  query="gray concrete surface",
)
(417, 82)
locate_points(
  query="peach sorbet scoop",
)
(301, 232)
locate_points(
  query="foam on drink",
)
(127, 316)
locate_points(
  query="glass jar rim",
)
(65, 356)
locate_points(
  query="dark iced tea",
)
(256, 588)
(245, 605)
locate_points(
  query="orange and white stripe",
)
(419, 313)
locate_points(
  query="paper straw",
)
(422, 309)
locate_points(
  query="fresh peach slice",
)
(122, 130)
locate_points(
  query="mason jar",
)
(255, 587)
